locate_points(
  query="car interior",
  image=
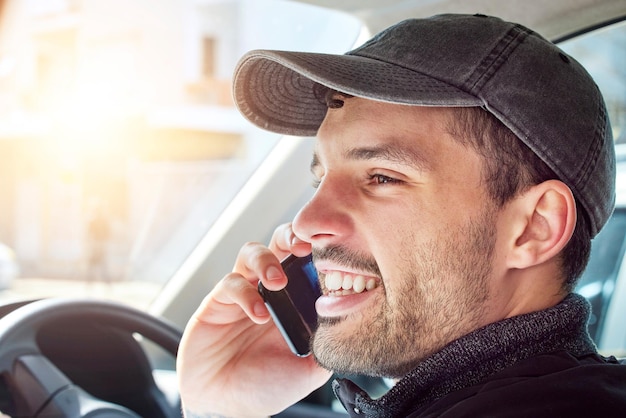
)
(129, 181)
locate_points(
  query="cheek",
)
(395, 247)
(400, 228)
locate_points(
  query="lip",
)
(335, 306)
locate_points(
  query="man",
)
(462, 166)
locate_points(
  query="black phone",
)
(293, 308)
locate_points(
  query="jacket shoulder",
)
(555, 384)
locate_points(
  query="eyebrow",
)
(385, 153)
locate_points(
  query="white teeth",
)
(334, 281)
(345, 284)
(358, 284)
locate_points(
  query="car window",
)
(603, 53)
(598, 282)
(119, 141)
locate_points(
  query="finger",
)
(246, 295)
(285, 242)
(257, 262)
(233, 298)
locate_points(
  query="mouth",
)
(339, 283)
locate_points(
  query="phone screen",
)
(293, 308)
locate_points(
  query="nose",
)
(326, 218)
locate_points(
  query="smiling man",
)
(462, 166)
(387, 209)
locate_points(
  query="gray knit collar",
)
(483, 352)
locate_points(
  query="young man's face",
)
(403, 235)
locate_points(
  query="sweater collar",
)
(477, 355)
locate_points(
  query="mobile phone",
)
(293, 308)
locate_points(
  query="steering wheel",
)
(45, 347)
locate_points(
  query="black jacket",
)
(541, 364)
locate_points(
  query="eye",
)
(383, 179)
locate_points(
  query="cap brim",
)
(275, 89)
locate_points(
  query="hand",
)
(232, 360)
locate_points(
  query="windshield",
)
(119, 141)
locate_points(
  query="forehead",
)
(366, 129)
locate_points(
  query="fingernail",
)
(273, 273)
(260, 309)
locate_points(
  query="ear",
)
(546, 216)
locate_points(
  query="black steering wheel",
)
(83, 358)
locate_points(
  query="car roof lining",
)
(545, 17)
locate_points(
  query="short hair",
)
(510, 168)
